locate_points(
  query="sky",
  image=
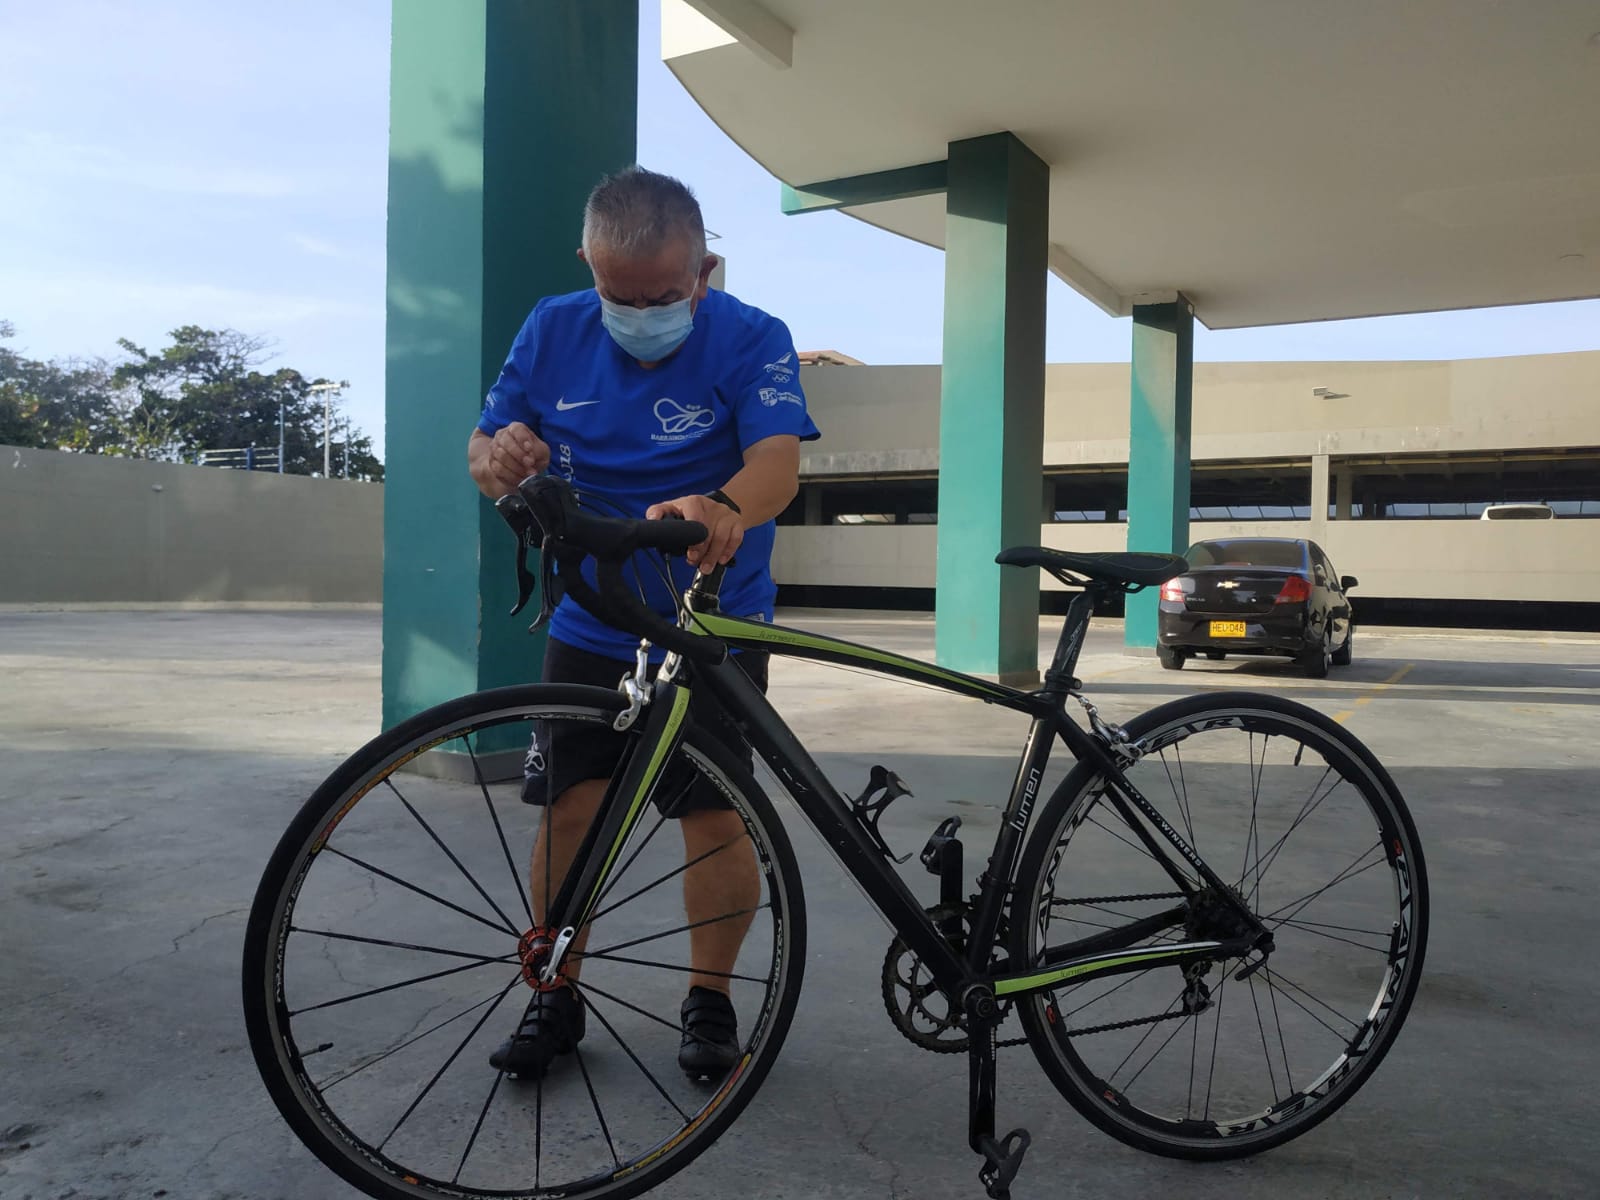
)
(175, 162)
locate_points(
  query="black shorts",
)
(563, 753)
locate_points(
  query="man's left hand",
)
(726, 526)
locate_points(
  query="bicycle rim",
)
(382, 969)
(1311, 832)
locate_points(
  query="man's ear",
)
(582, 257)
(707, 265)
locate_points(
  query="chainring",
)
(919, 1010)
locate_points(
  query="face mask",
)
(648, 334)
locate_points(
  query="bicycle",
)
(1291, 881)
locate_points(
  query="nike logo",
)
(563, 406)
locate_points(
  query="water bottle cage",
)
(883, 788)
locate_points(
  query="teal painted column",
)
(1158, 447)
(503, 114)
(991, 411)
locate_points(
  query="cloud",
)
(315, 246)
(183, 302)
(41, 154)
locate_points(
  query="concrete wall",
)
(877, 420)
(1446, 560)
(77, 528)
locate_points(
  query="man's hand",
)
(726, 526)
(499, 463)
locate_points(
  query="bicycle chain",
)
(1119, 899)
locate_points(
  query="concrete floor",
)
(149, 760)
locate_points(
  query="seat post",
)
(1059, 679)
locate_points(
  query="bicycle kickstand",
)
(1002, 1157)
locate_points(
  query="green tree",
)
(205, 391)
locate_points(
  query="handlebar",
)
(544, 510)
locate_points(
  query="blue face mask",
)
(648, 334)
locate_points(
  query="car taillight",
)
(1175, 591)
(1296, 590)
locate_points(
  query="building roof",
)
(1274, 160)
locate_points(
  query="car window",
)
(1247, 552)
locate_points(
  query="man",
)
(652, 394)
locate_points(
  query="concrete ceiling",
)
(1274, 160)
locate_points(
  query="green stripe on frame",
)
(737, 629)
(1027, 983)
(680, 706)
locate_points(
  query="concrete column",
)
(1158, 455)
(1319, 497)
(1344, 487)
(503, 114)
(991, 415)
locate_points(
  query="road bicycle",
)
(1209, 933)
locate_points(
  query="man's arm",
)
(497, 464)
(762, 489)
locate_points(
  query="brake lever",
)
(514, 510)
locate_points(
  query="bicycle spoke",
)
(653, 937)
(1216, 1033)
(1288, 1076)
(1274, 977)
(616, 876)
(659, 1020)
(329, 1085)
(1252, 836)
(1261, 1026)
(1136, 1046)
(1306, 927)
(389, 987)
(577, 1053)
(450, 854)
(645, 962)
(371, 941)
(454, 1054)
(669, 875)
(1194, 1047)
(1176, 1030)
(379, 871)
(494, 815)
(1312, 803)
(472, 1140)
(626, 1049)
(1125, 841)
(1343, 876)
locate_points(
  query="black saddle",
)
(1125, 568)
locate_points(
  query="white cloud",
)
(42, 155)
(315, 246)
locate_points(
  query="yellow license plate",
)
(1227, 629)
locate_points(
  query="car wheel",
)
(1171, 657)
(1316, 660)
(1343, 655)
(1216, 655)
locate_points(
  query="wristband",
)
(722, 497)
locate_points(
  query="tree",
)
(205, 391)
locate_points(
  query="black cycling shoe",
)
(710, 1035)
(551, 1026)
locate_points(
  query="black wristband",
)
(722, 497)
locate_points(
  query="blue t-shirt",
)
(626, 436)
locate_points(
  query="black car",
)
(1258, 595)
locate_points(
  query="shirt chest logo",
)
(681, 422)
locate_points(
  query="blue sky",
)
(225, 165)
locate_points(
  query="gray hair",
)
(637, 212)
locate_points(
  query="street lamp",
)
(328, 390)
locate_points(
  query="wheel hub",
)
(534, 948)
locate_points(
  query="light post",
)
(328, 390)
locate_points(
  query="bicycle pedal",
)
(1002, 1158)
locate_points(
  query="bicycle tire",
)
(282, 1062)
(1062, 1037)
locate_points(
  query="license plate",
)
(1221, 629)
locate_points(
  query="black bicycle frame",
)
(1105, 953)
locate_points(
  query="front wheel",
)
(1303, 824)
(386, 958)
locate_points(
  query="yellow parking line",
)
(1377, 689)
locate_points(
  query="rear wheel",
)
(1171, 657)
(388, 954)
(1307, 828)
(1317, 657)
(1343, 656)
